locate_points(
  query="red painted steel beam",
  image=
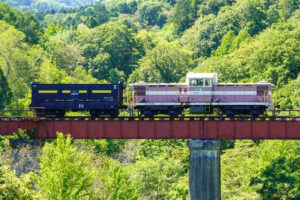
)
(89, 129)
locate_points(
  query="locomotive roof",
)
(169, 84)
(201, 75)
(192, 75)
(259, 83)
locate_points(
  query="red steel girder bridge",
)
(275, 127)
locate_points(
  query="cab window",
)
(196, 82)
(193, 82)
(207, 82)
(200, 82)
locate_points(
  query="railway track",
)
(160, 118)
(278, 115)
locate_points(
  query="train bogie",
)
(150, 111)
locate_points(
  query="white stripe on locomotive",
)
(201, 93)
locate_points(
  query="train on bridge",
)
(201, 94)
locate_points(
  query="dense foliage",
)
(42, 5)
(154, 41)
(5, 92)
(25, 22)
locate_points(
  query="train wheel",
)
(255, 113)
(147, 113)
(173, 113)
(114, 113)
(94, 113)
(39, 113)
(229, 113)
(60, 113)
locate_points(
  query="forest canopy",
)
(62, 41)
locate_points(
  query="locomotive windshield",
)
(196, 82)
(200, 82)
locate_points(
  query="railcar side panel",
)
(77, 97)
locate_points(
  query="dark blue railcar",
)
(56, 99)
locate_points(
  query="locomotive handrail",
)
(266, 96)
(27, 112)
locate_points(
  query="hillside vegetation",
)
(48, 5)
(152, 41)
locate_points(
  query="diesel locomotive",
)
(201, 94)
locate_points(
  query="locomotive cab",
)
(201, 91)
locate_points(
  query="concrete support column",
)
(205, 174)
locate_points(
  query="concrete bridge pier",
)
(205, 175)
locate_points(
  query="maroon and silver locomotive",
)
(202, 94)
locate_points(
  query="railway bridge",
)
(205, 132)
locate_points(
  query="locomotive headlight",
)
(270, 93)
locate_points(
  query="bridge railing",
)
(17, 113)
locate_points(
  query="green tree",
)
(237, 168)
(109, 51)
(287, 7)
(242, 38)
(182, 16)
(65, 54)
(226, 44)
(64, 173)
(150, 13)
(161, 169)
(288, 96)
(92, 22)
(265, 170)
(271, 56)
(53, 29)
(25, 22)
(280, 179)
(13, 187)
(212, 6)
(144, 41)
(115, 181)
(30, 26)
(166, 62)
(5, 92)
(207, 32)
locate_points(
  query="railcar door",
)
(262, 93)
(139, 94)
